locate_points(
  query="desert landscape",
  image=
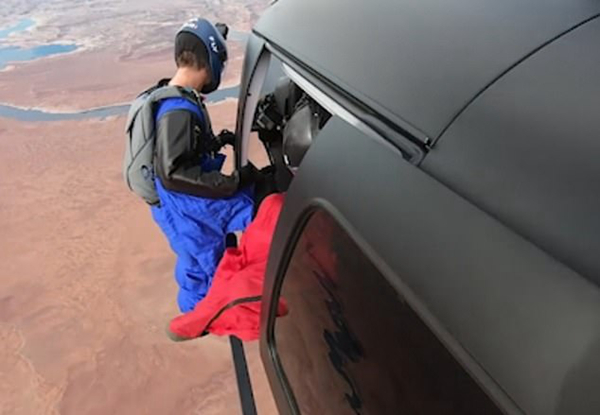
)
(122, 47)
(86, 276)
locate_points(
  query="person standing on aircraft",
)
(199, 205)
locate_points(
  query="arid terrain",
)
(86, 276)
(123, 47)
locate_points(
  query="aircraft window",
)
(257, 154)
(351, 345)
(287, 120)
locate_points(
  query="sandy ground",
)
(97, 78)
(124, 25)
(87, 286)
(124, 47)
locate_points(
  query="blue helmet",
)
(213, 37)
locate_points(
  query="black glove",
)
(248, 175)
(267, 171)
(226, 137)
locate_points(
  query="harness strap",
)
(230, 305)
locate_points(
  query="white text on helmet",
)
(213, 44)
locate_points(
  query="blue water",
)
(14, 54)
(20, 114)
(19, 27)
(17, 54)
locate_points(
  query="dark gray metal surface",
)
(494, 241)
(528, 150)
(254, 48)
(525, 325)
(418, 63)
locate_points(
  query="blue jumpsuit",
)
(196, 227)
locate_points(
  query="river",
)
(24, 114)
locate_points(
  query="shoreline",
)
(62, 110)
(103, 112)
(75, 111)
(14, 65)
(35, 23)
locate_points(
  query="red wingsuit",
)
(240, 275)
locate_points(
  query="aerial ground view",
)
(86, 276)
(410, 227)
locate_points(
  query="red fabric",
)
(240, 274)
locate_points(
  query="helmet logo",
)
(192, 24)
(213, 44)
